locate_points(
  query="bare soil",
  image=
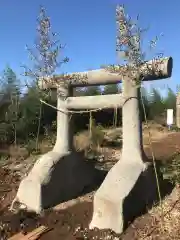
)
(69, 221)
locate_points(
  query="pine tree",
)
(10, 101)
(111, 89)
(92, 91)
(157, 106)
(46, 60)
(170, 100)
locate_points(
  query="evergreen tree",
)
(10, 102)
(10, 88)
(170, 100)
(92, 91)
(157, 106)
(144, 103)
(111, 89)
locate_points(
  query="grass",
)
(171, 169)
(155, 228)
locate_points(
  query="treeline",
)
(22, 116)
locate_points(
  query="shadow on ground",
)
(99, 174)
(146, 193)
(65, 222)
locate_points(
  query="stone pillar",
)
(64, 136)
(60, 174)
(132, 124)
(109, 200)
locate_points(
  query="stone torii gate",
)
(60, 174)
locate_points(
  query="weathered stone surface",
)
(108, 200)
(123, 196)
(55, 178)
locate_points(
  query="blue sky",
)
(88, 28)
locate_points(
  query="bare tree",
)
(129, 47)
(46, 54)
(46, 57)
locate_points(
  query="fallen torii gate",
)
(60, 175)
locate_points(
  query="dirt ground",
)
(70, 221)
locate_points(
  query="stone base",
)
(128, 189)
(55, 178)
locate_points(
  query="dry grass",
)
(166, 226)
(82, 140)
(152, 225)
